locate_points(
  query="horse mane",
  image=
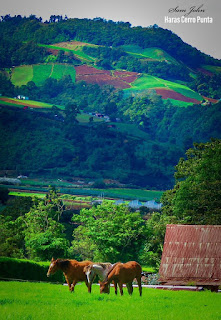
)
(103, 264)
(114, 265)
(63, 263)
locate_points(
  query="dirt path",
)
(52, 69)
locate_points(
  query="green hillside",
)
(147, 83)
(13, 102)
(38, 73)
(149, 53)
(214, 69)
(74, 47)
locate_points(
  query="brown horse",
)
(72, 270)
(123, 273)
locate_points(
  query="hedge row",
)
(21, 269)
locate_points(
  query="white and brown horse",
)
(73, 271)
(99, 269)
(123, 273)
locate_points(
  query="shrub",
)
(11, 268)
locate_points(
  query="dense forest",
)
(15, 30)
(35, 143)
(41, 228)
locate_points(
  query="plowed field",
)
(118, 79)
(22, 103)
(170, 94)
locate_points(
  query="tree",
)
(44, 236)
(155, 229)
(114, 232)
(11, 237)
(71, 112)
(57, 204)
(12, 226)
(4, 195)
(196, 196)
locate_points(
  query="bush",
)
(11, 268)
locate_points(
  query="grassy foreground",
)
(50, 301)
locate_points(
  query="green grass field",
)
(132, 130)
(22, 75)
(134, 193)
(148, 82)
(10, 104)
(129, 194)
(148, 53)
(31, 103)
(68, 188)
(40, 72)
(44, 301)
(179, 103)
(72, 47)
(214, 69)
(27, 194)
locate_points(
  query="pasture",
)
(40, 72)
(148, 53)
(73, 46)
(148, 82)
(213, 69)
(13, 102)
(25, 300)
(70, 191)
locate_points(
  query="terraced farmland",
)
(118, 79)
(167, 89)
(40, 72)
(76, 47)
(12, 102)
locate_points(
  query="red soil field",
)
(53, 51)
(206, 72)
(211, 100)
(118, 79)
(170, 94)
(87, 70)
(24, 103)
(69, 44)
(126, 76)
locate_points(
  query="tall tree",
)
(113, 232)
(196, 196)
(44, 236)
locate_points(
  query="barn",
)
(192, 256)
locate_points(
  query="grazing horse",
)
(101, 270)
(123, 273)
(72, 270)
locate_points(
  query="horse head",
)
(104, 287)
(52, 268)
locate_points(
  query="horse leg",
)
(73, 285)
(115, 287)
(69, 283)
(120, 284)
(89, 283)
(129, 287)
(139, 285)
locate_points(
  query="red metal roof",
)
(191, 255)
